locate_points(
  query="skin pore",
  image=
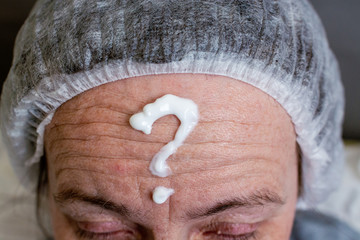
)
(235, 177)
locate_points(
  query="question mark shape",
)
(187, 112)
(184, 109)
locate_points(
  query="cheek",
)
(60, 226)
(278, 228)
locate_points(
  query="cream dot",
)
(161, 194)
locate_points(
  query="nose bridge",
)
(169, 234)
(168, 231)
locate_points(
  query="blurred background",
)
(341, 19)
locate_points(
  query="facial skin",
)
(235, 177)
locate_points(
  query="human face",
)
(235, 176)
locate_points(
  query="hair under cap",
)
(66, 47)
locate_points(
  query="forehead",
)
(219, 99)
(242, 133)
(230, 111)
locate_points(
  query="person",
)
(266, 147)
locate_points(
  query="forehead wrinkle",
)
(108, 163)
(140, 167)
(78, 122)
(109, 148)
(210, 176)
(226, 144)
(222, 134)
(131, 163)
(124, 132)
(97, 106)
(82, 160)
(77, 115)
(125, 144)
(73, 117)
(119, 129)
(98, 138)
(233, 121)
(69, 155)
(107, 168)
(219, 134)
(163, 122)
(239, 169)
(83, 114)
(229, 169)
(103, 96)
(224, 151)
(99, 171)
(83, 124)
(189, 154)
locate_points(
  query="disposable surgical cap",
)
(66, 47)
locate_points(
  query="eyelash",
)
(213, 228)
(249, 236)
(107, 236)
(82, 234)
(86, 235)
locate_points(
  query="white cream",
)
(187, 112)
(161, 194)
(184, 109)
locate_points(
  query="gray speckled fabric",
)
(312, 225)
(66, 47)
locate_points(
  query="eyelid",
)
(86, 212)
(106, 230)
(102, 227)
(247, 216)
(230, 228)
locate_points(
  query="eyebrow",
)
(73, 195)
(260, 198)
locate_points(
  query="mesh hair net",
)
(66, 47)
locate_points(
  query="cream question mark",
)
(187, 112)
